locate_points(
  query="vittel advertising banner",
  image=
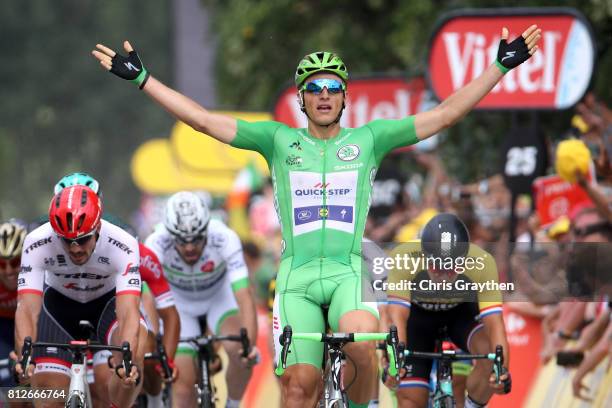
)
(368, 99)
(556, 77)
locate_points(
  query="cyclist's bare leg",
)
(478, 381)
(237, 375)
(183, 390)
(300, 386)
(152, 380)
(459, 385)
(99, 389)
(362, 354)
(121, 395)
(413, 397)
(47, 380)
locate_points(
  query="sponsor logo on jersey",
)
(38, 244)
(293, 160)
(342, 213)
(150, 264)
(348, 152)
(304, 215)
(320, 189)
(208, 267)
(130, 269)
(25, 269)
(348, 166)
(74, 286)
(218, 240)
(104, 260)
(372, 176)
(119, 245)
(21, 281)
(283, 246)
(134, 282)
(295, 145)
(49, 261)
(81, 275)
(176, 267)
(61, 260)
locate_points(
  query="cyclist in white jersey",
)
(204, 264)
(79, 267)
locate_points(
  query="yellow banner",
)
(190, 160)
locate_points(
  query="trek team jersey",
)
(151, 272)
(476, 281)
(322, 188)
(112, 265)
(221, 263)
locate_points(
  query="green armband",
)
(503, 69)
(142, 78)
(240, 284)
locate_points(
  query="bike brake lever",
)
(244, 340)
(26, 356)
(499, 363)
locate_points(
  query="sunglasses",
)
(186, 241)
(592, 229)
(316, 86)
(79, 241)
(13, 262)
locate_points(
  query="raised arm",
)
(453, 108)
(221, 127)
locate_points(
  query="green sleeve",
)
(390, 134)
(257, 136)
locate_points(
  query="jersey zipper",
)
(324, 207)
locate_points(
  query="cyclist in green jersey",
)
(322, 178)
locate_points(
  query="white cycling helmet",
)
(187, 216)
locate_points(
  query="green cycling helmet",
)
(77, 179)
(317, 62)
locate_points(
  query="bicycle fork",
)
(333, 387)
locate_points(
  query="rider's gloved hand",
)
(511, 55)
(253, 357)
(504, 385)
(173, 370)
(131, 380)
(130, 68)
(17, 370)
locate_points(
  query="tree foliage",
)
(60, 111)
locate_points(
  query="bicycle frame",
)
(443, 394)
(79, 388)
(205, 391)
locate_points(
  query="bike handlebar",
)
(452, 355)
(339, 339)
(205, 340)
(74, 347)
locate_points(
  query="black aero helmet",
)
(445, 236)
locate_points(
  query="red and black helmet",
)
(75, 211)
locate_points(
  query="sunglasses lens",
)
(313, 88)
(79, 241)
(195, 240)
(317, 86)
(14, 262)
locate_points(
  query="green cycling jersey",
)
(322, 188)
